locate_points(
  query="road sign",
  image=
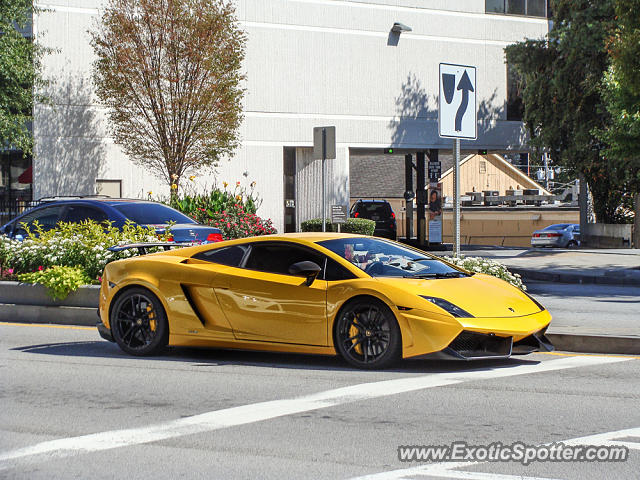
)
(324, 143)
(338, 214)
(435, 170)
(457, 108)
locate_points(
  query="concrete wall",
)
(308, 63)
(605, 235)
(491, 226)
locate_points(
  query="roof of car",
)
(107, 200)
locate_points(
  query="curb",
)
(535, 275)
(595, 343)
(62, 315)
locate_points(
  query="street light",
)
(400, 27)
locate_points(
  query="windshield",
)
(151, 213)
(379, 258)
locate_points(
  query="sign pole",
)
(456, 197)
(324, 180)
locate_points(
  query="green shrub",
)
(359, 226)
(60, 281)
(490, 267)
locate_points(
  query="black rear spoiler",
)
(143, 247)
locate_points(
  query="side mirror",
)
(306, 269)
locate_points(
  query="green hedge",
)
(359, 226)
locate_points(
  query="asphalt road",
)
(74, 406)
(590, 309)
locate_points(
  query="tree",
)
(20, 59)
(169, 73)
(621, 91)
(563, 97)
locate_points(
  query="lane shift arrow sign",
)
(457, 101)
(466, 87)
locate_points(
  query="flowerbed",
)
(490, 267)
(81, 248)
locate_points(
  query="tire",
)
(572, 244)
(367, 335)
(139, 323)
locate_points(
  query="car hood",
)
(480, 295)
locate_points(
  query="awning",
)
(26, 176)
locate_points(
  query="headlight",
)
(449, 307)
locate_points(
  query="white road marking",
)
(258, 412)
(450, 469)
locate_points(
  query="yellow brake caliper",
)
(152, 318)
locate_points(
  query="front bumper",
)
(478, 346)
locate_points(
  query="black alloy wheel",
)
(138, 322)
(367, 334)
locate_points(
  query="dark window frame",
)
(200, 255)
(250, 245)
(70, 206)
(492, 7)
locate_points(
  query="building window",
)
(483, 166)
(530, 8)
(515, 105)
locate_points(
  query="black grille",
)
(474, 345)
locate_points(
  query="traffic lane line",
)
(46, 325)
(262, 411)
(450, 469)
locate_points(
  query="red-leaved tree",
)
(169, 73)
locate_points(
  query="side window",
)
(47, 217)
(335, 271)
(277, 258)
(230, 256)
(80, 213)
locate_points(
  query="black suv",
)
(381, 212)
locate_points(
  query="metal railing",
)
(10, 208)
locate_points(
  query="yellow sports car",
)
(369, 300)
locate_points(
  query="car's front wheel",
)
(139, 323)
(367, 334)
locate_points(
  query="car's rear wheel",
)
(367, 334)
(572, 244)
(139, 323)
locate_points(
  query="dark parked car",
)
(116, 210)
(381, 212)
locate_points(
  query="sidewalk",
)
(606, 266)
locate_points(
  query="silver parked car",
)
(563, 235)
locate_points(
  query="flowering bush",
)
(490, 267)
(60, 281)
(232, 211)
(203, 206)
(82, 245)
(238, 223)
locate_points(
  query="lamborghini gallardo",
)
(370, 300)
